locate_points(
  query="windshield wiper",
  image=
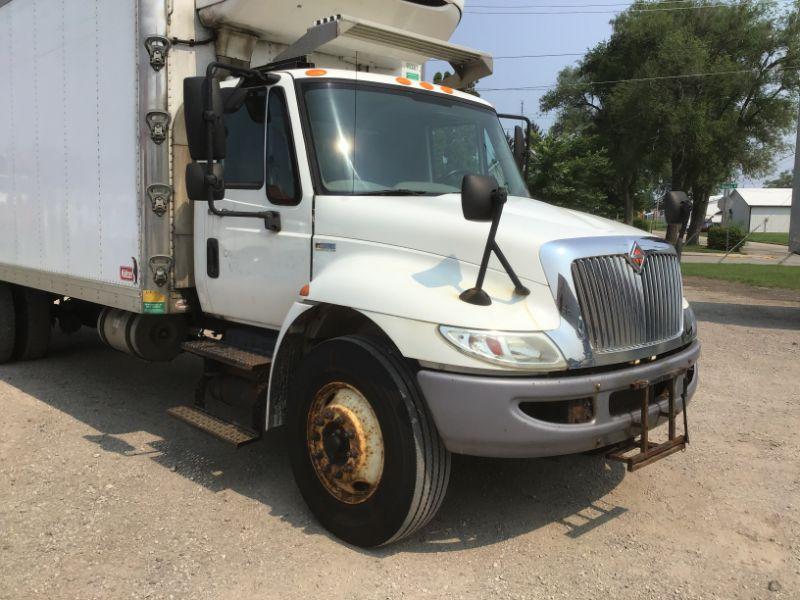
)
(394, 192)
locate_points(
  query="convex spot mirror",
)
(198, 181)
(677, 208)
(198, 115)
(477, 197)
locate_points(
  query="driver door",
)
(247, 273)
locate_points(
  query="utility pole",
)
(794, 226)
(522, 107)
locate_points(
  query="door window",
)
(245, 148)
(283, 185)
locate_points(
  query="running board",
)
(222, 430)
(244, 360)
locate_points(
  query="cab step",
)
(220, 352)
(222, 430)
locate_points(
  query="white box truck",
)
(273, 187)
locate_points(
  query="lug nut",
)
(349, 434)
(328, 413)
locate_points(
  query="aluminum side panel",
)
(68, 138)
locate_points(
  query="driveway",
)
(104, 496)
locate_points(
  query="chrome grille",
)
(623, 309)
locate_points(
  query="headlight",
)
(689, 324)
(530, 351)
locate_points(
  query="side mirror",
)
(198, 181)
(478, 197)
(677, 208)
(519, 148)
(482, 199)
(202, 119)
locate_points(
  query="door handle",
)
(212, 258)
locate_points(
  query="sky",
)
(514, 35)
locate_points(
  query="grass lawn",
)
(774, 276)
(770, 238)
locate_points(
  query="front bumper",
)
(480, 415)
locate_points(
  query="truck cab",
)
(366, 174)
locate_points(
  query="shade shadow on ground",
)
(488, 501)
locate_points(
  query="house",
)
(713, 211)
(759, 209)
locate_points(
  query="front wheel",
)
(364, 450)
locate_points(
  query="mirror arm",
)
(272, 218)
(477, 295)
(519, 289)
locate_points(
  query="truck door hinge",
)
(159, 194)
(158, 122)
(157, 47)
(160, 265)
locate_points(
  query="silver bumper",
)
(480, 415)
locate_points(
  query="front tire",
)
(364, 450)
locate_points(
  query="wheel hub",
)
(345, 443)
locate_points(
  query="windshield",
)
(375, 139)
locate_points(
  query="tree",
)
(694, 95)
(784, 180)
(570, 170)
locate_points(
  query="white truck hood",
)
(435, 225)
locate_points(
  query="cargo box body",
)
(70, 171)
(91, 206)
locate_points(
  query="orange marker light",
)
(316, 72)
(446, 90)
(426, 85)
(305, 290)
(403, 81)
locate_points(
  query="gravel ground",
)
(104, 496)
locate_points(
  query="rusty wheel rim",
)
(345, 443)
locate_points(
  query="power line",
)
(631, 80)
(539, 55)
(598, 12)
(534, 6)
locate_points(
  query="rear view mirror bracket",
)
(205, 180)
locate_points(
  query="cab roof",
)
(400, 82)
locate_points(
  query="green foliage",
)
(784, 180)
(641, 223)
(631, 95)
(570, 171)
(725, 237)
